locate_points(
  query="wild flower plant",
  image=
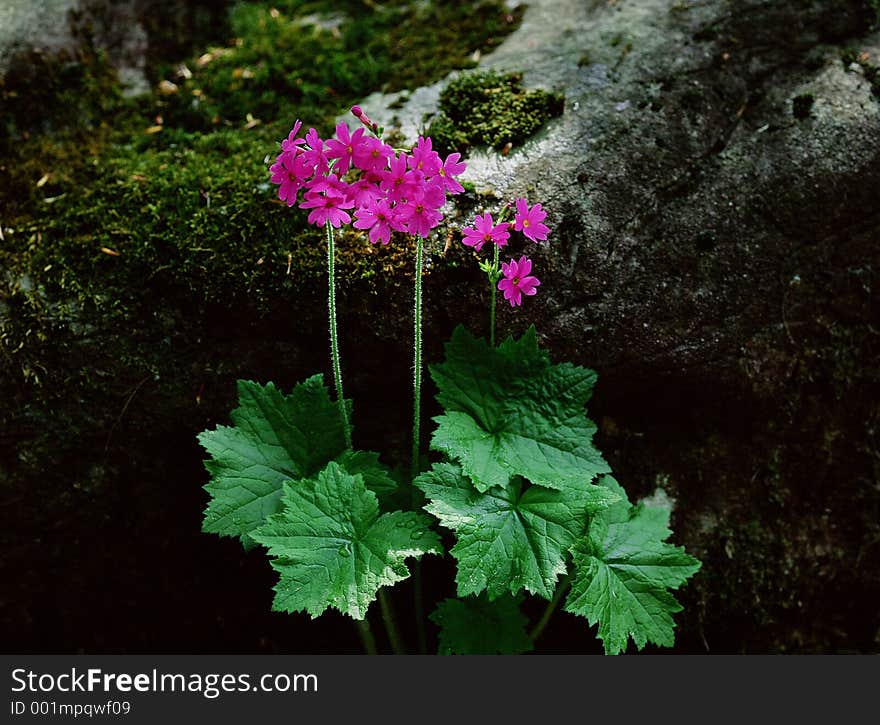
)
(528, 497)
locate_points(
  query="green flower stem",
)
(417, 362)
(561, 589)
(493, 283)
(334, 340)
(391, 623)
(366, 635)
(418, 600)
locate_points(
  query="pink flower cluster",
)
(358, 172)
(517, 279)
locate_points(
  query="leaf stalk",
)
(368, 642)
(388, 617)
(550, 609)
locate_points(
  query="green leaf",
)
(276, 438)
(331, 547)
(376, 476)
(623, 571)
(478, 626)
(509, 537)
(510, 412)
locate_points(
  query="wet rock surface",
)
(713, 255)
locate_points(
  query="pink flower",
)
(397, 182)
(372, 155)
(328, 184)
(315, 155)
(517, 281)
(420, 214)
(424, 158)
(417, 218)
(378, 217)
(291, 142)
(528, 221)
(452, 167)
(364, 191)
(327, 207)
(485, 230)
(430, 192)
(290, 173)
(345, 146)
(290, 169)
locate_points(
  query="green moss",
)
(176, 183)
(46, 95)
(135, 228)
(292, 55)
(490, 109)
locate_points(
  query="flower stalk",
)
(334, 337)
(355, 178)
(494, 274)
(418, 598)
(417, 358)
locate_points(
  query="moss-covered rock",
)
(490, 109)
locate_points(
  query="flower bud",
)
(359, 114)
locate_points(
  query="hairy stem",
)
(368, 642)
(493, 283)
(334, 339)
(417, 362)
(418, 600)
(561, 589)
(390, 623)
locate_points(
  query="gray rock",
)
(670, 145)
(37, 24)
(60, 26)
(714, 257)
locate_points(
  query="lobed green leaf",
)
(275, 438)
(510, 412)
(510, 537)
(623, 571)
(331, 547)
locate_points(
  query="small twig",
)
(122, 413)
